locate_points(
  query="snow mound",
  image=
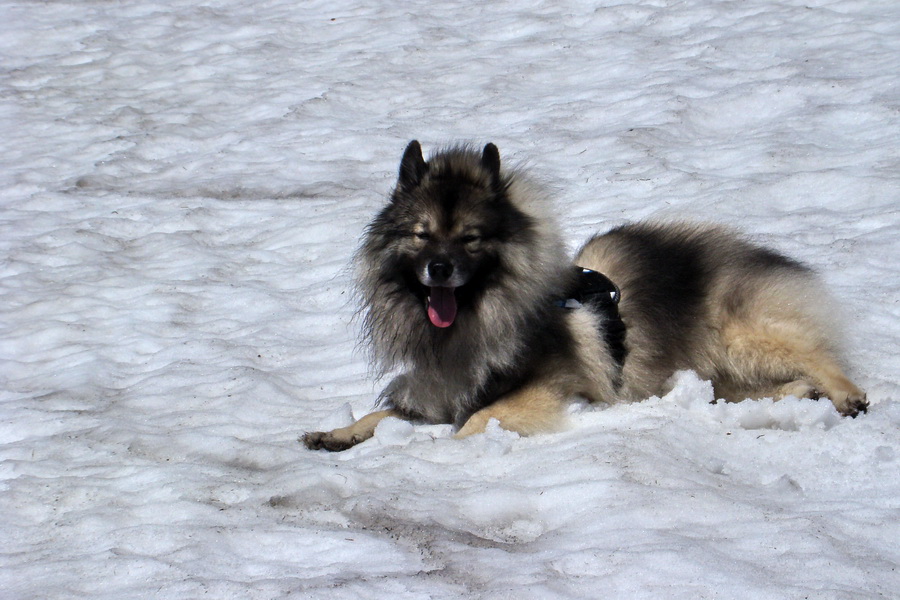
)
(788, 414)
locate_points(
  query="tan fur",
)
(593, 375)
(784, 352)
(346, 437)
(536, 408)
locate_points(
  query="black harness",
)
(596, 291)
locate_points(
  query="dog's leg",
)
(847, 398)
(532, 409)
(783, 352)
(346, 437)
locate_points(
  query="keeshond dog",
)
(468, 292)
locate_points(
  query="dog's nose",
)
(439, 270)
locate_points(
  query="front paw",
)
(327, 440)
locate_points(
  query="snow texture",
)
(183, 184)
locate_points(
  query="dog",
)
(467, 290)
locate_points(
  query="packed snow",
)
(183, 185)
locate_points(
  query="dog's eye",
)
(422, 235)
(470, 239)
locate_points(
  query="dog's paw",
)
(850, 405)
(327, 440)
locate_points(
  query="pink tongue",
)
(441, 306)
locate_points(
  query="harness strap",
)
(597, 291)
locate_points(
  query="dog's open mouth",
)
(441, 306)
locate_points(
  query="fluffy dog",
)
(467, 290)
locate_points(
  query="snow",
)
(182, 187)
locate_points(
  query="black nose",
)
(440, 270)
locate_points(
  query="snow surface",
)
(183, 184)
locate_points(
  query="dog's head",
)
(442, 238)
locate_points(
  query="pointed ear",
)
(412, 166)
(490, 160)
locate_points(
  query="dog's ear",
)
(412, 166)
(490, 160)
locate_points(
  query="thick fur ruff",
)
(460, 278)
(514, 270)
